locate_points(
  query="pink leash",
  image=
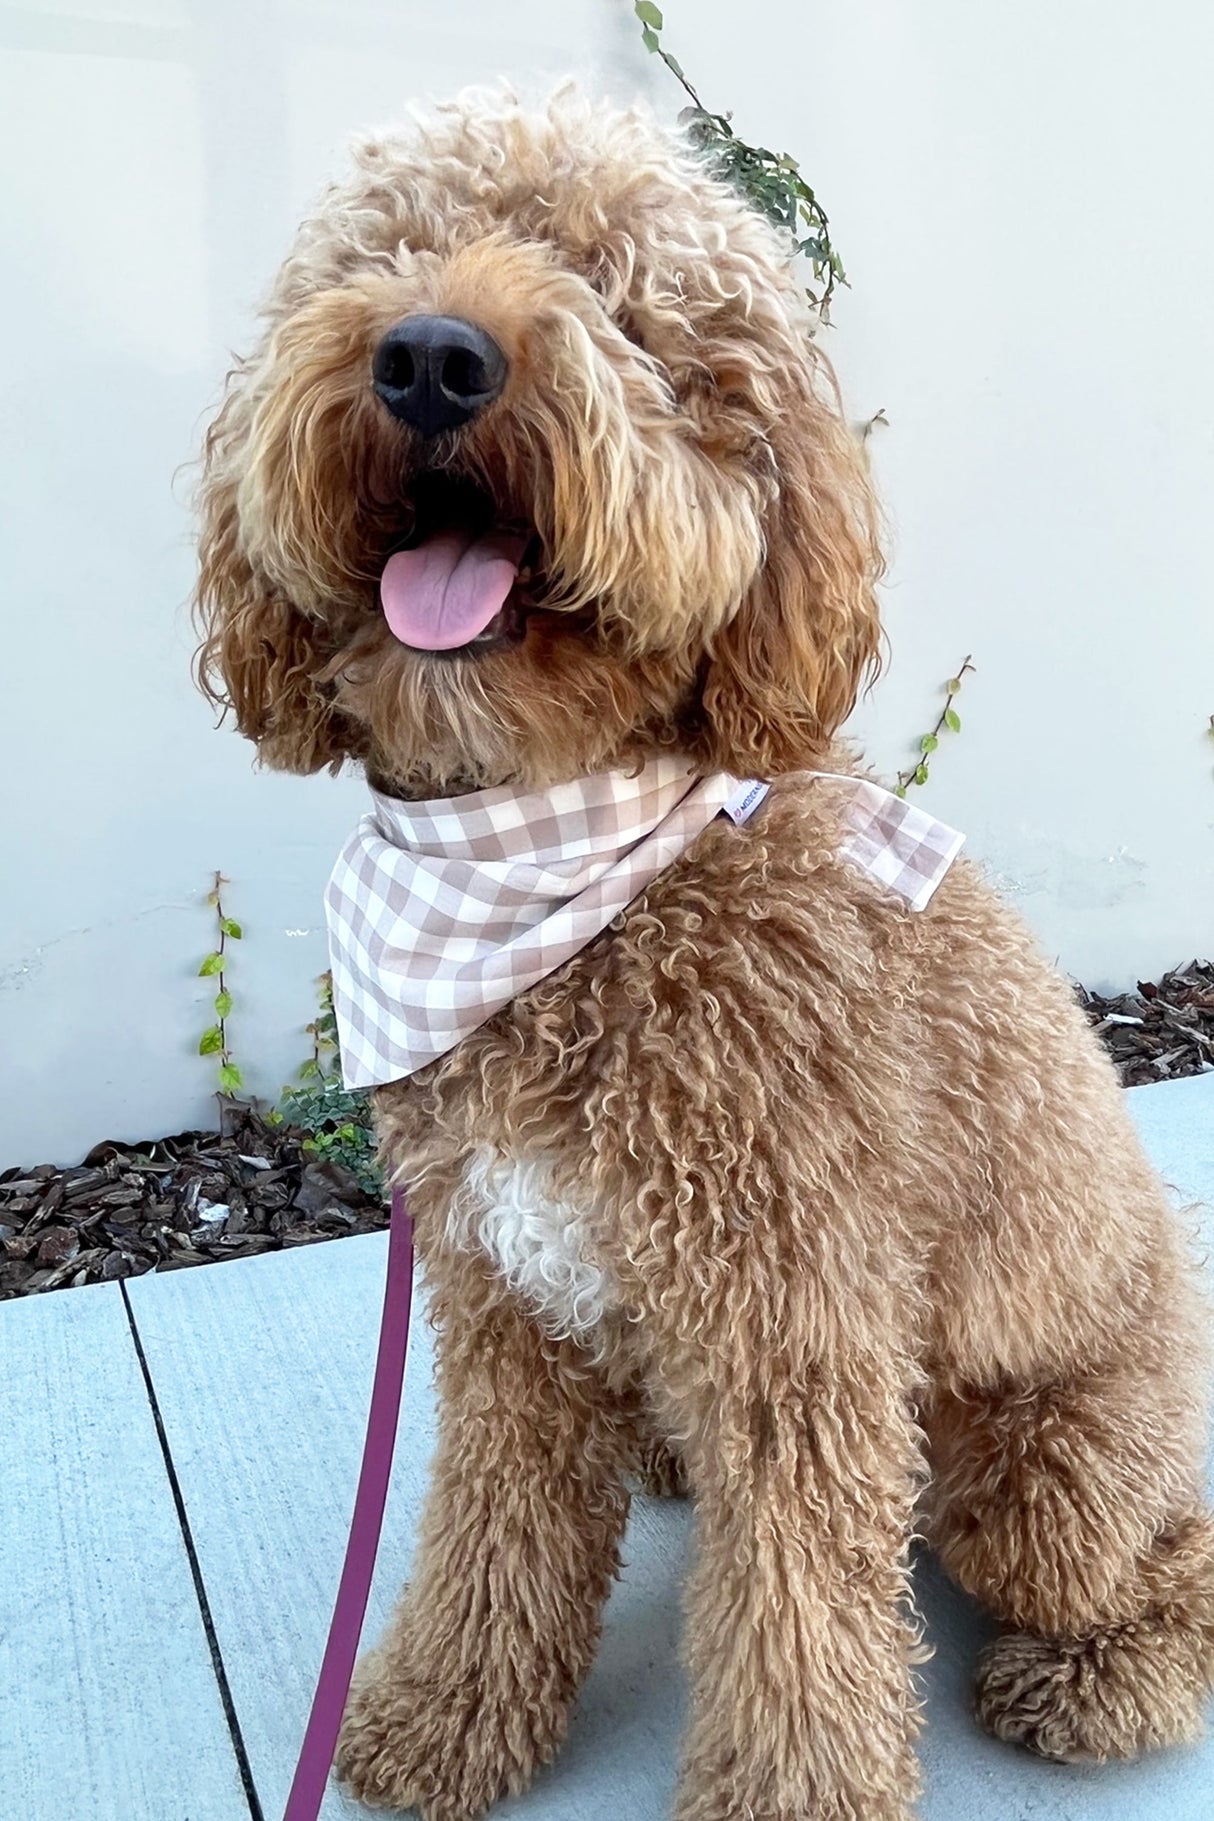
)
(350, 1607)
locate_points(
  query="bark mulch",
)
(1162, 1031)
(180, 1201)
(202, 1196)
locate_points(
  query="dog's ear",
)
(259, 655)
(784, 673)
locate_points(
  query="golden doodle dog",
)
(870, 1244)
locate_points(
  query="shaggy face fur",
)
(831, 1211)
(703, 550)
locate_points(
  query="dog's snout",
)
(437, 372)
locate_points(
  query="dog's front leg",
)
(468, 1692)
(801, 1635)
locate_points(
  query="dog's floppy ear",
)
(784, 673)
(259, 655)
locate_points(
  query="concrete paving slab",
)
(109, 1707)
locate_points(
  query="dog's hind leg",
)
(1124, 1686)
(1071, 1509)
(468, 1692)
(1067, 1430)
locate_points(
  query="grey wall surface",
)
(1020, 197)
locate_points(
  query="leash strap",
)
(350, 1607)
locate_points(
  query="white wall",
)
(1020, 196)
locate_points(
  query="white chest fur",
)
(541, 1245)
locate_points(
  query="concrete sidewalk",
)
(258, 1375)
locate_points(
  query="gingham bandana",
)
(441, 912)
(897, 843)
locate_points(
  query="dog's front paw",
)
(404, 1744)
(725, 1794)
(830, 1808)
(446, 1748)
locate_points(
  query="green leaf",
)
(223, 1003)
(650, 40)
(928, 743)
(309, 1070)
(648, 14)
(672, 63)
(952, 720)
(900, 791)
(211, 1041)
(230, 1078)
(212, 965)
(921, 774)
(231, 928)
(953, 685)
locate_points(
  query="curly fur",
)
(845, 1201)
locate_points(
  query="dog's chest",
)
(541, 1242)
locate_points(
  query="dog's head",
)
(535, 471)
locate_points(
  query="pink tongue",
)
(444, 593)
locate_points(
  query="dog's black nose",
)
(437, 372)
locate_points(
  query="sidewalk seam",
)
(256, 1812)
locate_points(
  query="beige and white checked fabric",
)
(441, 912)
(897, 843)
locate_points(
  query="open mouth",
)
(455, 587)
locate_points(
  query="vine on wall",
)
(772, 181)
(948, 721)
(214, 1040)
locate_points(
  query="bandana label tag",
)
(742, 805)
